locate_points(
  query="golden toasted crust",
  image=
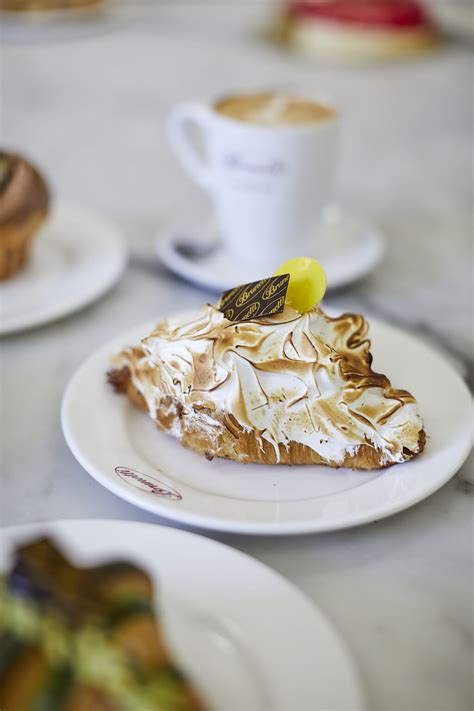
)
(232, 442)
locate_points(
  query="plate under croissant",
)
(122, 449)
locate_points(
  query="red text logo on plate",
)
(147, 483)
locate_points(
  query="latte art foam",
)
(273, 109)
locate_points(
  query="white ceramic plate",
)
(120, 446)
(77, 256)
(349, 248)
(246, 636)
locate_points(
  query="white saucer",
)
(246, 636)
(349, 248)
(121, 448)
(77, 257)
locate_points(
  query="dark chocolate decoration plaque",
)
(259, 298)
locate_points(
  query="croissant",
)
(286, 389)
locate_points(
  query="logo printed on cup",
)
(147, 483)
(270, 167)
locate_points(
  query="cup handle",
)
(180, 119)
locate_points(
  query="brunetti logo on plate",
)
(148, 483)
(259, 298)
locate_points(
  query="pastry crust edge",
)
(231, 441)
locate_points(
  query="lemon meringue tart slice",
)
(291, 388)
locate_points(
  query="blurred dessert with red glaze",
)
(358, 29)
(24, 203)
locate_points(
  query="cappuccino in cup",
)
(268, 168)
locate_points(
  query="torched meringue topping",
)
(305, 378)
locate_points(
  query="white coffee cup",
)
(268, 182)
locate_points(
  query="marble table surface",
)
(90, 107)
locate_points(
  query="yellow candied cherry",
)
(307, 284)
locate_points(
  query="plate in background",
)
(246, 636)
(77, 256)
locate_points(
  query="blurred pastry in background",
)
(356, 29)
(45, 5)
(24, 202)
(74, 638)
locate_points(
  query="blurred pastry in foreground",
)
(24, 202)
(83, 639)
(293, 386)
(356, 29)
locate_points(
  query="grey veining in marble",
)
(91, 110)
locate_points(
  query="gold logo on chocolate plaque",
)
(259, 298)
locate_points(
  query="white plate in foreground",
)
(120, 446)
(77, 256)
(247, 637)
